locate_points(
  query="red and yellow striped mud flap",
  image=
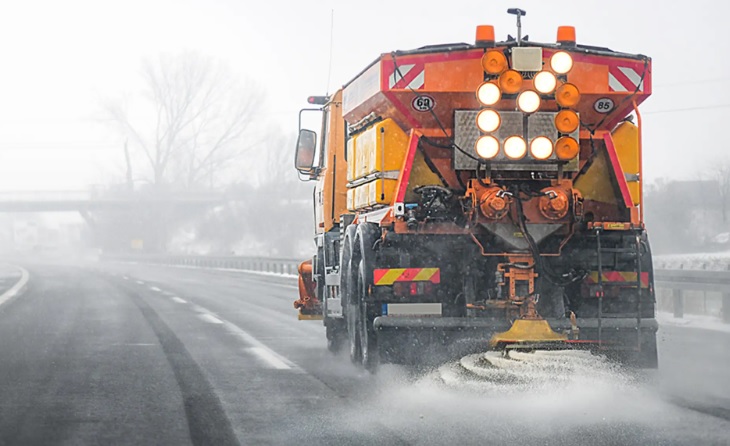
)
(615, 277)
(389, 276)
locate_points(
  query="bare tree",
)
(191, 123)
(722, 173)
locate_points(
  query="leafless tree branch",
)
(200, 118)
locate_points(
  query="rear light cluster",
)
(403, 289)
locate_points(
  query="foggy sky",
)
(60, 59)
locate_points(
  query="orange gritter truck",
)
(482, 196)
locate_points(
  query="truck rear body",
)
(472, 186)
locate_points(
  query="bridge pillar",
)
(678, 303)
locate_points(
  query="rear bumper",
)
(411, 339)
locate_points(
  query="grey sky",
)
(60, 58)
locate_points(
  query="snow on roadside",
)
(693, 321)
(710, 261)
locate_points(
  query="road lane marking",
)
(15, 289)
(139, 282)
(272, 358)
(199, 309)
(178, 300)
(206, 418)
(125, 278)
(154, 288)
(210, 318)
(269, 357)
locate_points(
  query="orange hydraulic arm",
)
(307, 304)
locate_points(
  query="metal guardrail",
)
(243, 263)
(690, 291)
(713, 287)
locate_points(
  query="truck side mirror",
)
(306, 148)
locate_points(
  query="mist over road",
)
(140, 354)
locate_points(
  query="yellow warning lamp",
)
(566, 35)
(487, 147)
(567, 95)
(545, 82)
(488, 120)
(541, 148)
(488, 93)
(566, 121)
(494, 62)
(566, 148)
(515, 147)
(561, 62)
(485, 35)
(510, 82)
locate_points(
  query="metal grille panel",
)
(539, 124)
(511, 125)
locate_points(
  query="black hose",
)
(540, 265)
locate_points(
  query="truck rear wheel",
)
(348, 288)
(368, 341)
(353, 333)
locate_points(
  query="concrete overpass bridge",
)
(92, 206)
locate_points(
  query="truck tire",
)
(348, 285)
(363, 263)
(368, 340)
(353, 331)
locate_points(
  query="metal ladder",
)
(636, 251)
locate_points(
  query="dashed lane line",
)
(269, 357)
(210, 318)
(256, 347)
(264, 353)
(206, 417)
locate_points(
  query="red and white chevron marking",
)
(624, 79)
(407, 76)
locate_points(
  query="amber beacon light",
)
(485, 35)
(566, 35)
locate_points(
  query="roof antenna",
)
(519, 13)
(332, 33)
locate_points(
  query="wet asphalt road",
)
(137, 354)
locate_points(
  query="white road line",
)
(15, 289)
(125, 278)
(210, 318)
(200, 309)
(154, 288)
(178, 300)
(269, 357)
(272, 358)
(139, 282)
